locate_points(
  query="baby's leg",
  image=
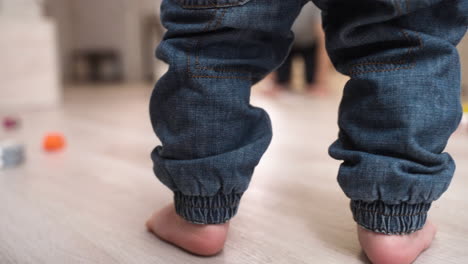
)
(212, 138)
(397, 113)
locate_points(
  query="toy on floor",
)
(11, 154)
(465, 108)
(53, 142)
(10, 123)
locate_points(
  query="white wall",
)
(26, 9)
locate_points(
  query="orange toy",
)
(53, 142)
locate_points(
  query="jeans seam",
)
(195, 48)
(228, 205)
(354, 71)
(198, 65)
(388, 233)
(401, 62)
(207, 6)
(390, 215)
(211, 5)
(193, 76)
(214, 209)
(209, 208)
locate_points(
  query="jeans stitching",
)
(231, 201)
(390, 215)
(354, 71)
(187, 52)
(189, 72)
(401, 62)
(209, 208)
(198, 65)
(207, 6)
(412, 230)
(212, 5)
(195, 47)
(377, 63)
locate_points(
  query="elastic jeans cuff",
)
(207, 210)
(399, 219)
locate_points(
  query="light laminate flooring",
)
(89, 203)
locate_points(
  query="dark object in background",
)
(97, 66)
(309, 54)
(10, 123)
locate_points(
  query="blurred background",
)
(48, 46)
(56, 43)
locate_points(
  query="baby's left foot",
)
(204, 240)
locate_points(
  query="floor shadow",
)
(327, 215)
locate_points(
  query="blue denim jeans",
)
(398, 109)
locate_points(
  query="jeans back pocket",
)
(207, 4)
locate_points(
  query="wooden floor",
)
(89, 203)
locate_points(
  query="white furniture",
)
(29, 75)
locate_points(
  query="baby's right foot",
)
(204, 240)
(396, 249)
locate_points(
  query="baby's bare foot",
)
(396, 249)
(204, 240)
